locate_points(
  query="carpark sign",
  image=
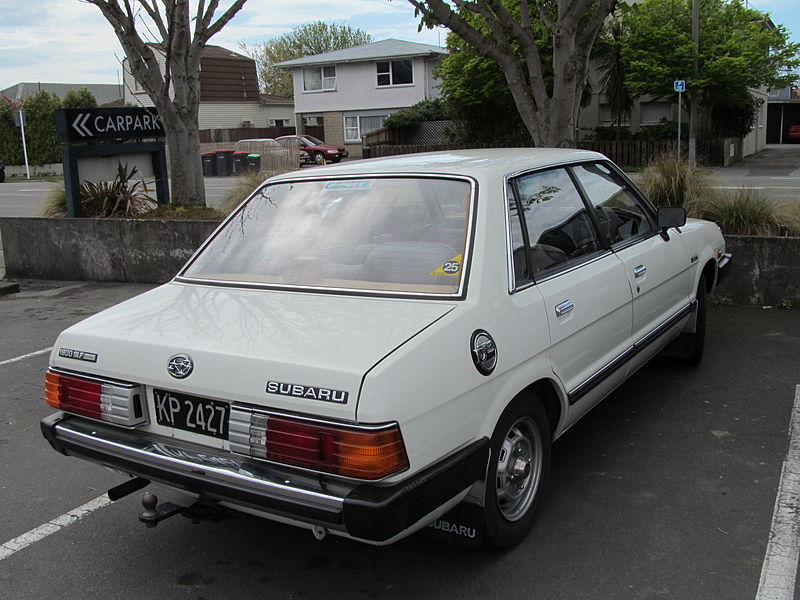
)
(85, 124)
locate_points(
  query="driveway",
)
(775, 171)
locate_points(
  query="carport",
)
(783, 111)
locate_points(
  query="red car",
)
(317, 149)
(794, 133)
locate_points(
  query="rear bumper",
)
(370, 512)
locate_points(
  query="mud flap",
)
(462, 526)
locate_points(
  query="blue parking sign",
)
(680, 85)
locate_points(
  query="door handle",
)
(564, 308)
(639, 271)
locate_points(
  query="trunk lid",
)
(245, 343)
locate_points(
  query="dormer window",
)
(395, 72)
(319, 79)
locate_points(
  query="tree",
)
(40, 128)
(81, 98)
(305, 40)
(169, 72)
(739, 49)
(508, 33)
(477, 97)
(613, 72)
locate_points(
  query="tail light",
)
(115, 402)
(342, 450)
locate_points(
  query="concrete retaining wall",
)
(138, 251)
(765, 271)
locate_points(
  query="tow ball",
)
(202, 510)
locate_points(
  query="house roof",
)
(104, 93)
(384, 49)
(209, 51)
(272, 99)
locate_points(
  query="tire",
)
(319, 159)
(514, 488)
(695, 342)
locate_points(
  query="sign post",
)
(19, 121)
(680, 87)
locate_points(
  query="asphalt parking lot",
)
(665, 490)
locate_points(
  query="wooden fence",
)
(627, 153)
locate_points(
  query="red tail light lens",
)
(348, 451)
(107, 401)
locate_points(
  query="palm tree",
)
(613, 70)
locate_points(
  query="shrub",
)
(119, 197)
(671, 181)
(745, 212)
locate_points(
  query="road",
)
(775, 171)
(664, 490)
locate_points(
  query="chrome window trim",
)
(460, 294)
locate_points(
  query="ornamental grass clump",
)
(745, 212)
(245, 185)
(670, 180)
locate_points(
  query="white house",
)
(351, 92)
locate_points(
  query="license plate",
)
(190, 413)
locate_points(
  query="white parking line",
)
(779, 571)
(24, 356)
(51, 527)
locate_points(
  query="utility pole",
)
(693, 108)
(19, 121)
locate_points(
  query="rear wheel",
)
(520, 462)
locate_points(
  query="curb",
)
(6, 287)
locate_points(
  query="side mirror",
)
(670, 216)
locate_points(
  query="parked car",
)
(794, 133)
(317, 149)
(372, 348)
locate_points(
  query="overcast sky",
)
(68, 41)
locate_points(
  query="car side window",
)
(559, 227)
(519, 261)
(619, 211)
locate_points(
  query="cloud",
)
(71, 42)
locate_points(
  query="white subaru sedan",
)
(387, 345)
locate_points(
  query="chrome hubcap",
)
(519, 467)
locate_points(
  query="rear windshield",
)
(382, 234)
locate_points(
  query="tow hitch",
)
(202, 510)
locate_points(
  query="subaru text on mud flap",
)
(388, 345)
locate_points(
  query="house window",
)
(395, 72)
(318, 79)
(651, 113)
(356, 127)
(279, 122)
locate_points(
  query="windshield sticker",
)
(350, 186)
(451, 267)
